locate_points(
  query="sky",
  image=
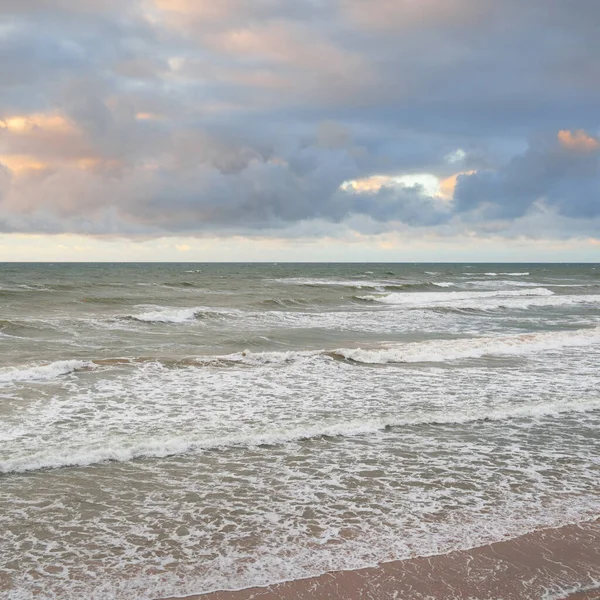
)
(300, 130)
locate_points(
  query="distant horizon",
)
(293, 262)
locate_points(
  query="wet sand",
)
(545, 564)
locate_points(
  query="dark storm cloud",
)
(191, 115)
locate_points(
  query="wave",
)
(425, 351)
(503, 284)
(540, 291)
(8, 335)
(315, 282)
(23, 329)
(43, 372)
(285, 302)
(449, 350)
(6, 323)
(499, 283)
(9, 292)
(110, 299)
(176, 446)
(244, 358)
(180, 284)
(516, 274)
(177, 315)
(441, 350)
(436, 298)
(249, 358)
(25, 287)
(359, 284)
(373, 285)
(485, 300)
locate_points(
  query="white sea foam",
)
(424, 351)
(379, 285)
(250, 358)
(565, 592)
(448, 350)
(349, 283)
(501, 283)
(488, 300)
(515, 274)
(173, 446)
(172, 315)
(267, 358)
(42, 372)
(427, 299)
(515, 283)
(540, 291)
(176, 315)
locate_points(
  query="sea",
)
(169, 429)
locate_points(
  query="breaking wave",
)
(515, 274)
(441, 350)
(424, 351)
(365, 284)
(177, 315)
(175, 446)
(43, 372)
(455, 349)
(475, 300)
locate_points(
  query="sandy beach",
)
(546, 564)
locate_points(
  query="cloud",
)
(231, 188)
(406, 14)
(147, 118)
(578, 141)
(561, 173)
(448, 184)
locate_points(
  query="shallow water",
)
(170, 429)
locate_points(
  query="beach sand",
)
(545, 564)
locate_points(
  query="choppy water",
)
(170, 429)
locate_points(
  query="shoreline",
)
(547, 564)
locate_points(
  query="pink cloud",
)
(577, 141)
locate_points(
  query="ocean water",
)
(168, 429)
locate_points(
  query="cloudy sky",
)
(393, 130)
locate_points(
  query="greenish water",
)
(177, 428)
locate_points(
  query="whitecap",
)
(174, 446)
(44, 372)
(455, 349)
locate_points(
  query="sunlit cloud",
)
(448, 184)
(403, 14)
(19, 163)
(207, 10)
(35, 124)
(296, 47)
(367, 184)
(147, 116)
(429, 184)
(578, 141)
